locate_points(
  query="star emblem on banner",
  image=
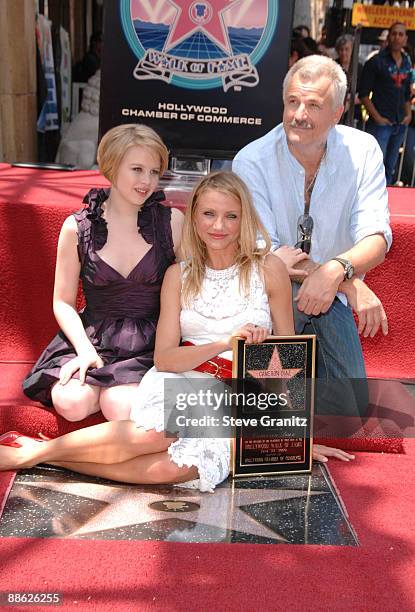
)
(200, 16)
(275, 369)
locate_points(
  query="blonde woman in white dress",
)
(226, 287)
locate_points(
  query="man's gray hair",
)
(313, 67)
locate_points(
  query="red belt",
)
(217, 366)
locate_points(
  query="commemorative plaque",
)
(274, 405)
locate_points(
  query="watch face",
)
(349, 270)
(347, 266)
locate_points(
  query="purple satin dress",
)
(121, 313)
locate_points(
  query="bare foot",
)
(11, 458)
(29, 444)
(16, 458)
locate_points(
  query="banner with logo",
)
(205, 74)
(376, 16)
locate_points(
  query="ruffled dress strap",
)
(154, 224)
(92, 227)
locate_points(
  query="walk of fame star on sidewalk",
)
(129, 506)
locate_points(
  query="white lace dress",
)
(217, 312)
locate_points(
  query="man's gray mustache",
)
(295, 123)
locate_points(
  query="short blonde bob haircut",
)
(194, 249)
(116, 141)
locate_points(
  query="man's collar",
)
(329, 162)
(388, 51)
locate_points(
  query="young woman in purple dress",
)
(120, 245)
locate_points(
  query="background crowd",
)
(384, 96)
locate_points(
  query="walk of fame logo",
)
(199, 44)
(201, 13)
(174, 505)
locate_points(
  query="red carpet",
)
(402, 204)
(379, 493)
(393, 282)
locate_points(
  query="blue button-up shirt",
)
(349, 200)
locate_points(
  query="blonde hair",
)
(313, 67)
(116, 141)
(194, 249)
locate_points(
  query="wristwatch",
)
(347, 266)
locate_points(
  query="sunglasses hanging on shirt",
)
(305, 225)
(305, 221)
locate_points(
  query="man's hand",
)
(322, 453)
(307, 265)
(367, 306)
(291, 257)
(407, 119)
(383, 121)
(318, 291)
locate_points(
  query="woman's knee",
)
(172, 473)
(73, 401)
(116, 402)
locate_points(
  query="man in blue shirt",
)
(387, 75)
(320, 191)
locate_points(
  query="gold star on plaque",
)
(275, 369)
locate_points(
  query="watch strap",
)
(346, 265)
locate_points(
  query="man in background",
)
(386, 76)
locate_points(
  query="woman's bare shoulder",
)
(70, 225)
(273, 265)
(275, 271)
(177, 215)
(173, 273)
(176, 224)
